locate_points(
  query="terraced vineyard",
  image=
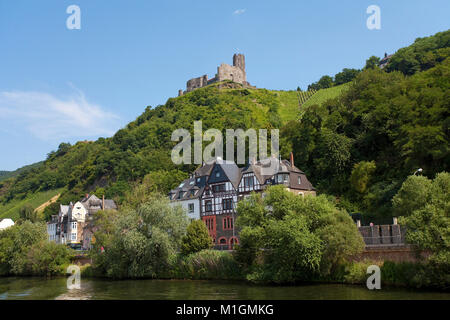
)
(304, 96)
(11, 209)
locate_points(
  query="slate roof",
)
(188, 187)
(283, 166)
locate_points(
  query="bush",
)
(286, 238)
(207, 265)
(25, 250)
(196, 239)
(48, 259)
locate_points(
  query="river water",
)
(44, 289)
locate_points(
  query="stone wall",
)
(227, 72)
(394, 253)
(383, 234)
(195, 83)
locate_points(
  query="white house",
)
(189, 192)
(6, 223)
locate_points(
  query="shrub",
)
(196, 239)
(207, 265)
(48, 259)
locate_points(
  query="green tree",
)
(414, 194)
(27, 212)
(428, 225)
(297, 238)
(346, 75)
(48, 258)
(139, 243)
(51, 209)
(196, 239)
(15, 242)
(325, 82)
(372, 63)
(361, 174)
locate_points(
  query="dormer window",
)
(299, 180)
(217, 174)
(198, 180)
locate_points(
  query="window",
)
(248, 181)
(193, 193)
(227, 223)
(180, 194)
(209, 224)
(222, 241)
(74, 236)
(217, 174)
(299, 179)
(198, 180)
(191, 207)
(74, 225)
(208, 205)
(227, 204)
(219, 188)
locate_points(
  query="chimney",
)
(87, 195)
(103, 202)
(292, 159)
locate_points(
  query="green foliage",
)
(301, 238)
(398, 122)
(27, 212)
(414, 194)
(427, 218)
(51, 209)
(372, 63)
(25, 250)
(323, 83)
(196, 239)
(345, 76)
(138, 243)
(144, 146)
(423, 54)
(207, 265)
(48, 258)
(361, 175)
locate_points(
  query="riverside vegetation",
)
(284, 239)
(358, 147)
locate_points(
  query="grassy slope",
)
(288, 101)
(323, 95)
(11, 209)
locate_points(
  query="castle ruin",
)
(235, 73)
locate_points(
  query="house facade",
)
(223, 184)
(72, 224)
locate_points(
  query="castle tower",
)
(239, 61)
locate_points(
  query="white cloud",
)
(239, 11)
(51, 118)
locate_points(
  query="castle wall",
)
(227, 72)
(235, 73)
(197, 83)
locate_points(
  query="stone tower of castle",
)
(235, 73)
(239, 61)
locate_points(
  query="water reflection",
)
(38, 288)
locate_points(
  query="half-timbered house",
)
(219, 201)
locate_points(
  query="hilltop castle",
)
(235, 73)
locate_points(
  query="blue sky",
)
(59, 85)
